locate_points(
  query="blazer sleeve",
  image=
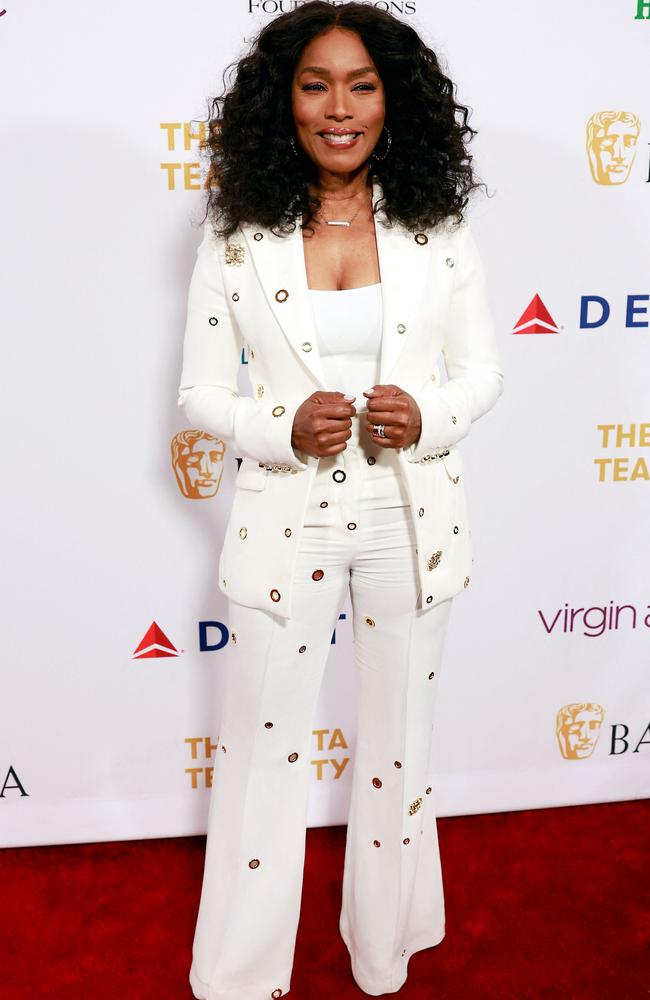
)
(212, 352)
(475, 379)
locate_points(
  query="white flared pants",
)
(358, 534)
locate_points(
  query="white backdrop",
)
(543, 698)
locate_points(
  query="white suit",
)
(254, 290)
(289, 555)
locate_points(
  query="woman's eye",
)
(319, 86)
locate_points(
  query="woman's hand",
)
(323, 423)
(397, 411)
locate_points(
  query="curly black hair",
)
(255, 177)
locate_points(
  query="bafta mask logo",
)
(197, 459)
(612, 138)
(578, 728)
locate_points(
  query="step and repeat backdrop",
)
(115, 633)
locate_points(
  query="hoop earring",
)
(292, 143)
(389, 140)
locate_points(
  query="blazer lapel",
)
(279, 262)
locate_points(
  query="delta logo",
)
(595, 311)
(155, 644)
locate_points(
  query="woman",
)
(339, 254)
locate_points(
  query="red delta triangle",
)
(536, 319)
(154, 643)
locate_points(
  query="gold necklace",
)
(341, 222)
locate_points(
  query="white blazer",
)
(253, 289)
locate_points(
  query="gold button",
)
(449, 262)
(376, 782)
(407, 840)
(429, 599)
(287, 532)
(317, 574)
(377, 843)
(434, 560)
(401, 328)
(260, 391)
(306, 346)
(255, 863)
(292, 757)
(323, 503)
(398, 763)
(268, 725)
(243, 532)
(258, 236)
(466, 583)
(277, 411)
(281, 295)
(421, 512)
(421, 238)
(301, 649)
(275, 595)
(235, 253)
(213, 321)
(370, 622)
(414, 806)
(235, 296)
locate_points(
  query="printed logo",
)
(154, 644)
(536, 319)
(197, 460)
(578, 728)
(612, 138)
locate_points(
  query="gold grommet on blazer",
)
(258, 236)
(260, 391)
(401, 328)
(376, 843)
(243, 532)
(421, 238)
(292, 757)
(370, 622)
(287, 532)
(466, 583)
(277, 411)
(306, 346)
(275, 595)
(429, 598)
(255, 863)
(449, 262)
(235, 296)
(377, 782)
(318, 574)
(213, 321)
(281, 295)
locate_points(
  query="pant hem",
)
(250, 991)
(393, 981)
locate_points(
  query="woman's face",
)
(336, 89)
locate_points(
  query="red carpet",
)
(544, 903)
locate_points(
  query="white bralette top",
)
(348, 326)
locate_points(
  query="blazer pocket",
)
(454, 464)
(251, 476)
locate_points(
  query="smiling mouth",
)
(339, 138)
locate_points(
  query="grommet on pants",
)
(393, 900)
